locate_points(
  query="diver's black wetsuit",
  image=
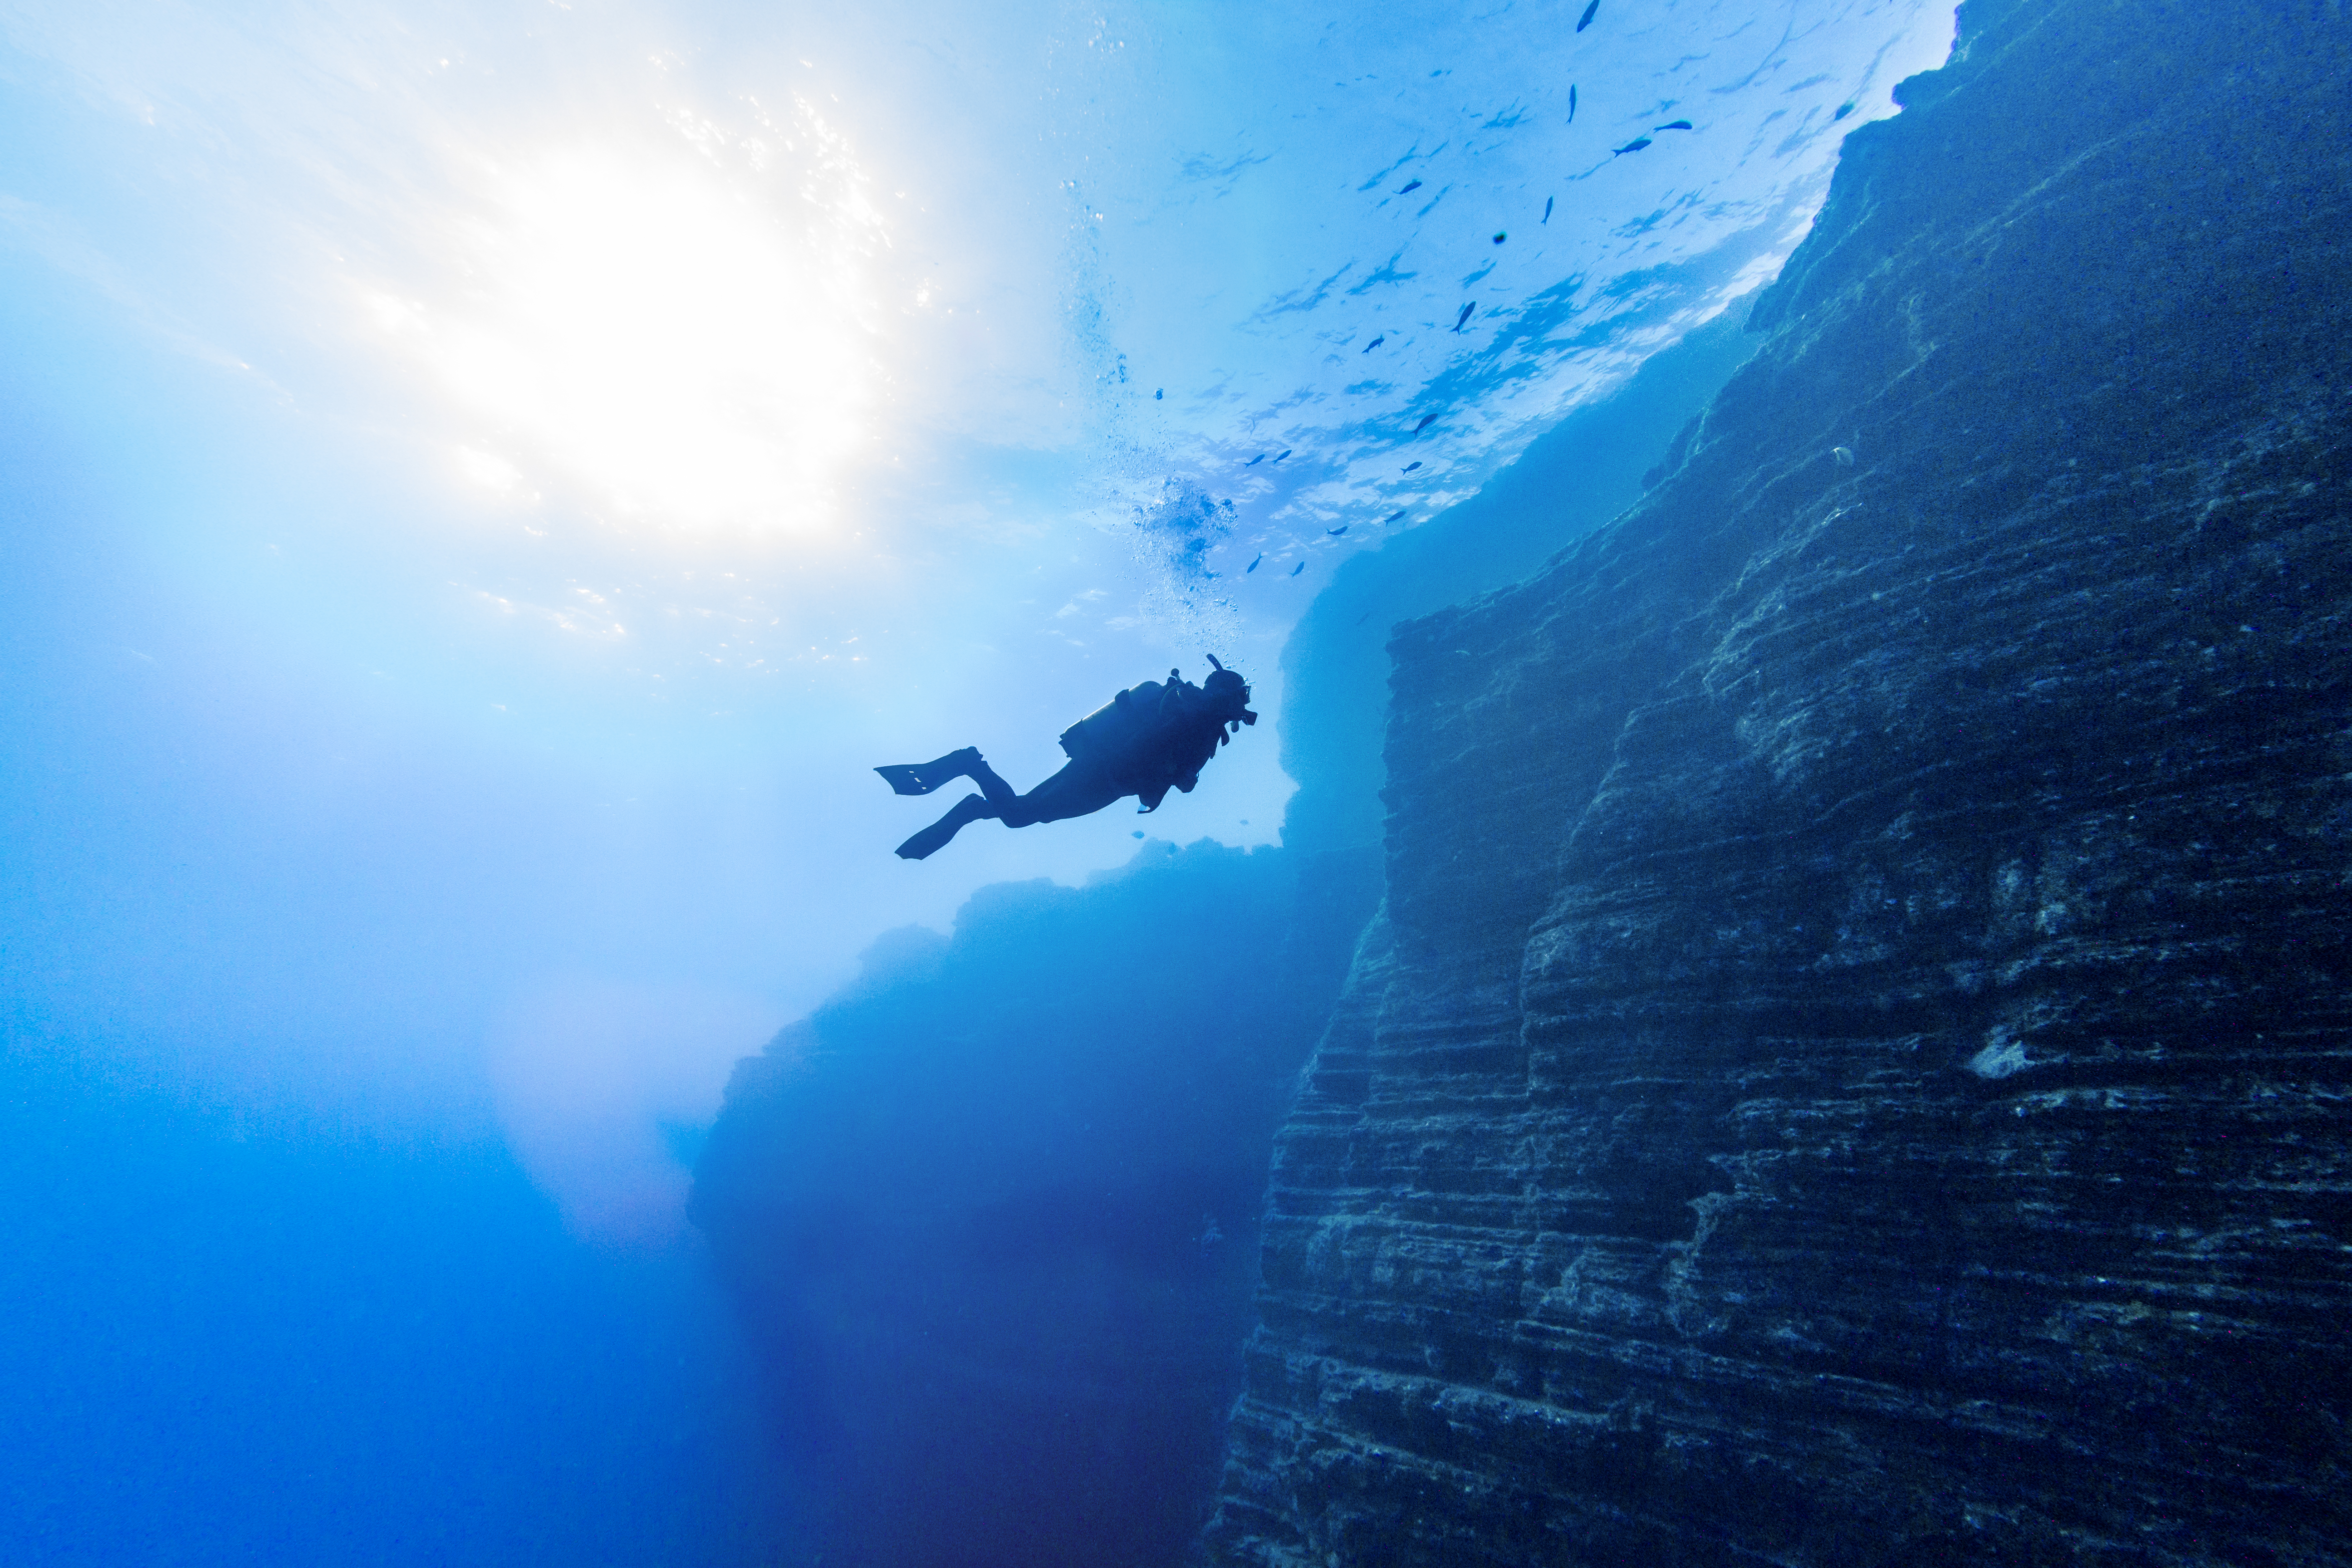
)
(1148, 740)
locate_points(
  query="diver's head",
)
(1228, 694)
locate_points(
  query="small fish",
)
(1253, 566)
(1294, 571)
(1375, 344)
(1411, 465)
(1336, 533)
(1843, 110)
(1411, 186)
(1427, 420)
(1586, 20)
(1571, 103)
(1464, 315)
(1394, 515)
(1547, 217)
(1254, 462)
(1673, 125)
(1137, 833)
(1286, 452)
(1635, 145)
(1504, 235)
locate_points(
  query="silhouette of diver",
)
(1148, 740)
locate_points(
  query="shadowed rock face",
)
(1852, 1065)
(990, 1215)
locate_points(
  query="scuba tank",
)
(1121, 726)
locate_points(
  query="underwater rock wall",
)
(990, 1215)
(1572, 479)
(1852, 1065)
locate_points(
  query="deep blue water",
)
(231, 1344)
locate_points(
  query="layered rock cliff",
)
(1852, 1067)
(1572, 479)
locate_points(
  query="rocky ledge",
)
(1854, 1067)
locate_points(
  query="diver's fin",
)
(922, 778)
(971, 808)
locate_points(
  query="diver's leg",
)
(1001, 796)
(922, 778)
(970, 808)
(1077, 791)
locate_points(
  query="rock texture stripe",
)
(1856, 1063)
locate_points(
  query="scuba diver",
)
(1144, 742)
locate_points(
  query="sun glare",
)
(682, 341)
